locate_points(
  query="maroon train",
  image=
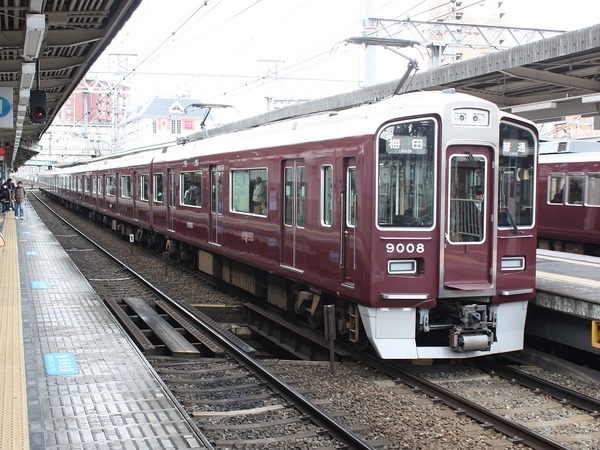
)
(414, 216)
(569, 197)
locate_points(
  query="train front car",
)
(453, 244)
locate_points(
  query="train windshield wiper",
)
(511, 221)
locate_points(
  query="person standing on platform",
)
(5, 197)
(11, 187)
(20, 196)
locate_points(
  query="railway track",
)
(277, 398)
(530, 409)
(443, 391)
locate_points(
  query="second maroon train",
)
(414, 216)
(569, 197)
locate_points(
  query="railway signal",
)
(37, 106)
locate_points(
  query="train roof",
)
(569, 146)
(351, 122)
(582, 157)
(359, 121)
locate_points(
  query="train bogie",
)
(414, 216)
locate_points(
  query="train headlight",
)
(403, 266)
(513, 263)
(471, 117)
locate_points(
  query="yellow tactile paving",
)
(14, 429)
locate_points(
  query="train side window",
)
(300, 185)
(326, 195)
(110, 185)
(592, 195)
(87, 187)
(144, 187)
(574, 188)
(171, 190)
(93, 185)
(249, 189)
(126, 186)
(158, 187)
(288, 216)
(190, 184)
(100, 186)
(351, 197)
(79, 184)
(556, 184)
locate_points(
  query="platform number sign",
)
(6, 111)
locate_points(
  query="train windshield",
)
(406, 169)
(516, 182)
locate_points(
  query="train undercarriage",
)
(456, 327)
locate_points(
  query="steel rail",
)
(515, 431)
(560, 393)
(319, 416)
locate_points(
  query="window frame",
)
(155, 191)
(110, 182)
(326, 196)
(588, 190)
(183, 191)
(571, 176)
(554, 188)
(123, 191)
(239, 180)
(145, 194)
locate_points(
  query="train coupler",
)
(461, 341)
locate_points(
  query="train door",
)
(216, 203)
(134, 194)
(293, 214)
(348, 223)
(170, 199)
(468, 226)
(102, 192)
(117, 192)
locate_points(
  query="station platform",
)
(71, 377)
(566, 309)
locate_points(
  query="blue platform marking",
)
(40, 285)
(31, 253)
(60, 364)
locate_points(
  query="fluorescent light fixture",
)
(34, 35)
(591, 98)
(533, 107)
(27, 75)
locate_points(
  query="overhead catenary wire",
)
(192, 20)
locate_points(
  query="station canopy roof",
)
(48, 45)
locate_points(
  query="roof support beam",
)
(553, 78)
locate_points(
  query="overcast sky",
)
(230, 51)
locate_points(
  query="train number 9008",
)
(405, 248)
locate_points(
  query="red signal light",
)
(38, 114)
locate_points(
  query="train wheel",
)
(361, 343)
